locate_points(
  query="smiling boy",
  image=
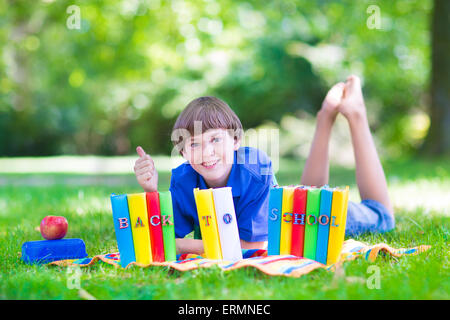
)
(208, 135)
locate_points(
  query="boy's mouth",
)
(210, 164)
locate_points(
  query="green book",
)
(311, 223)
(168, 228)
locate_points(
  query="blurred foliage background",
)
(121, 79)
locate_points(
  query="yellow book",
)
(208, 223)
(287, 207)
(338, 219)
(139, 227)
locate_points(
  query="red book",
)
(298, 221)
(154, 222)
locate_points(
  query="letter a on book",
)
(208, 223)
(141, 235)
(122, 226)
(227, 224)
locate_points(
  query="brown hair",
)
(212, 112)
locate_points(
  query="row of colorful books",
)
(144, 227)
(307, 222)
(218, 225)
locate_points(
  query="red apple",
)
(54, 227)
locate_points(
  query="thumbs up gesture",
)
(145, 171)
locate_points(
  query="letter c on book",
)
(287, 214)
(153, 223)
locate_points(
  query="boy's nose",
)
(208, 149)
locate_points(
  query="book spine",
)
(122, 227)
(208, 223)
(141, 234)
(298, 222)
(286, 221)
(227, 224)
(326, 196)
(337, 225)
(312, 214)
(154, 223)
(274, 223)
(168, 226)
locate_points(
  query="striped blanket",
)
(285, 265)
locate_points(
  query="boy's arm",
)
(253, 245)
(189, 246)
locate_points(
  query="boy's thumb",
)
(140, 151)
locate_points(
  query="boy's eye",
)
(216, 139)
(194, 145)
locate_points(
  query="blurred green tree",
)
(123, 77)
(438, 138)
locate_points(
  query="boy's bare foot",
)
(332, 100)
(352, 104)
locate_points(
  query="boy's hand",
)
(352, 104)
(145, 171)
(332, 100)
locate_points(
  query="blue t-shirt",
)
(250, 180)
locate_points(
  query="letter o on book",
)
(227, 218)
(321, 220)
(308, 220)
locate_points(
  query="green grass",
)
(84, 199)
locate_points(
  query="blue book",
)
(45, 251)
(122, 226)
(326, 197)
(274, 223)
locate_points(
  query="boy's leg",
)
(316, 170)
(370, 176)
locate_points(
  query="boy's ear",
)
(183, 154)
(237, 143)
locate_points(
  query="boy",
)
(209, 152)
(375, 212)
(208, 134)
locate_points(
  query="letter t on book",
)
(122, 226)
(208, 223)
(227, 224)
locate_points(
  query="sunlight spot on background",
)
(76, 78)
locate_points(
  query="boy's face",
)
(211, 154)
